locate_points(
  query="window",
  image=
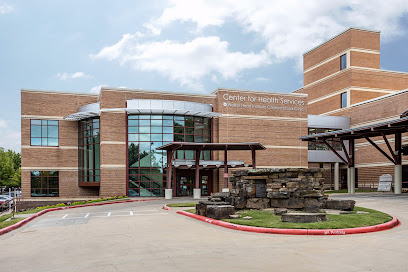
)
(321, 146)
(343, 61)
(44, 183)
(44, 132)
(89, 150)
(343, 100)
(146, 165)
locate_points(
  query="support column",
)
(336, 176)
(398, 166)
(348, 180)
(352, 180)
(197, 190)
(225, 189)
(168, 192)
(253, 159)
(352, 170)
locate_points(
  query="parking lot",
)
(140, 236)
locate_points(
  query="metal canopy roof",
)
(380, 129)
(212, 146)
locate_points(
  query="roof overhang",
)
(173, 107)
(211, 146)
(380, 129)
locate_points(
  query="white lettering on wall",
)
(277, 103)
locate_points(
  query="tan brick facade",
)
(362, 81)
(276, 120)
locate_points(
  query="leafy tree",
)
(10, 168)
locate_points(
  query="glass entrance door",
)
(186, 185)
(185, 182)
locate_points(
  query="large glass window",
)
(343, 61)
(146, 165)
(44, 132)
(89, 150)
(44, 183)
(321, 146)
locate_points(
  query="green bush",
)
(61, 205)
(78, 203)
(119, 197)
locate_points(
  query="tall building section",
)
(342, 77)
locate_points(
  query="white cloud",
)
(68, 76)
(289, 28)
(9, 138)
(96, 89)
(285, 29)
(261, 79)
(186, 63)
(5, 8)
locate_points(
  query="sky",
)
(175, 45)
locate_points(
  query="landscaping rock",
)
(247, 218)
(280, 211)
(258, 203)
(234, 216)
(362, 212)
(344, 205)
(240, 202)
(220, 211)
(201, 207)
(303, 217)
(312, 205)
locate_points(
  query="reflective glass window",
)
(44, 132)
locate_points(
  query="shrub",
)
(60, 205)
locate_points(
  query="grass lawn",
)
(269, 220)
(185, 204)
(5, 224)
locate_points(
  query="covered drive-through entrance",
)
(394, 154)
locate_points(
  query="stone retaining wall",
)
(293, 188)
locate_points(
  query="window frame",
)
(41, 126)
(341, 100)
(41, 188)
(345, 62)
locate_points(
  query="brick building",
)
(79, 145)
(343, 79)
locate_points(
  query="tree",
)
(10, 168)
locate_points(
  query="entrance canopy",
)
(385, 128)
(211, 146)
(198, 147)
(394, 127)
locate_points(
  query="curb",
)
(35, 215)
(388, 225)
(166, 208)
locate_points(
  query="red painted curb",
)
(35, 215)
(166, 208)
(388, 225)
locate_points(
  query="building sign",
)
(252, 101)
(385, 183)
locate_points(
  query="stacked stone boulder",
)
(218, 206)
(292, 188)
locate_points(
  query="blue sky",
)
(184, 46)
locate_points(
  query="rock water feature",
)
(299, 189)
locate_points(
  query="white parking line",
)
(64, 216)
(86, 215)
(109, 214)
(131, 213)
